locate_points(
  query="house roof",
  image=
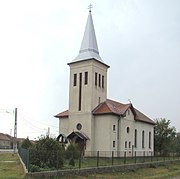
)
(4, 137)
(115, 108)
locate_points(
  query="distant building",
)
(5, 141)
(94, 122)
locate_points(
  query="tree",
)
(177, 143)
(47, 153)
(164, 136)
(26, 144)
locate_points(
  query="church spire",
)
(89, 47)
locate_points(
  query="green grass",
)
(10, 166)
(161, 172)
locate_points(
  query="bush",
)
(47, 153)
(34, 168)
(72, 162)
(72, 151)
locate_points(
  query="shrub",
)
(72, 151)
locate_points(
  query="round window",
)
(79, 126)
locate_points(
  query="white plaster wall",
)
(90, 92)
(128, 121)
(64, 126)
(104, 134)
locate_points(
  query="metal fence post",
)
(27, 160)
(151, 156)
(112, 157)
(124, 157)
(79, 160)
(135, 156)
(97, 158)
(143, 156)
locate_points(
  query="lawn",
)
(10, 166)
(162, 172)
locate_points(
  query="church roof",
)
(89, 47)
(115, 108)
(79, 134)
(62, 114)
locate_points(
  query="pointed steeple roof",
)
(89, 47)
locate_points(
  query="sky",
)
(139, 39)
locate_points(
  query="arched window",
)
(135, 138)
(150, 140)
(142, 139)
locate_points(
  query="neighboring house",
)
(5, 141)
(94, 122)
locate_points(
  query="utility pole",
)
(15, 131)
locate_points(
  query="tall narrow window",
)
(114, 127)
(99, 80)
(80, 90)
(75, 80)
(102, 81)
(150, 140)
(125, 144)
(86, 78)
(142, 139)
(135, 138)
(95, 79)
(114, 144)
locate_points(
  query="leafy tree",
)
(164, 136)
(47, 153)
(177, 143)
(26, 144)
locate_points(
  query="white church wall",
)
(64, 126)
(92, 94)
(127, 133)
(104, 134)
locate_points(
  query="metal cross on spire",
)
(90, 7)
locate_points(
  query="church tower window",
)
(80, 90)
(75, 80)
(95, 79)
(99, 80)
(86, 78)
(102, 81)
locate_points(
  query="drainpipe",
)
(118, 127)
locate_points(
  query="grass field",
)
(170, 171)
(10, 166)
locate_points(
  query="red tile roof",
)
(116, 108)
(62, 114)
(113, 107)
(110, 106)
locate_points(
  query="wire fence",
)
(55, 160)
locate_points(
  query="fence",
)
(55, 160)
(24, 154)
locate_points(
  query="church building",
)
(94, 122)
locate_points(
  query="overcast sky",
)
(139, 39)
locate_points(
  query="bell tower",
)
(87, 84)
(88, 74)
